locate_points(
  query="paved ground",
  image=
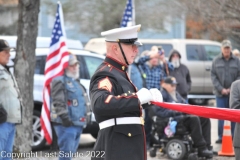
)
(87, 142)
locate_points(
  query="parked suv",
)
(89, 62)
(197, 55)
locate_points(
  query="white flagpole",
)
(133, 13)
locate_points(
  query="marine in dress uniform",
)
(116, 103)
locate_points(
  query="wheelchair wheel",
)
(176, 149)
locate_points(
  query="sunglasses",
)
(161, 51)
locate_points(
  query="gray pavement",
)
(87, 142)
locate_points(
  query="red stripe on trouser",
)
(145, 149)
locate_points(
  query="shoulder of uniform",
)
(105, 69)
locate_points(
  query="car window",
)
(40, 64)
(167, 47)
(92, 64)
(83, 68)
(211, 51)
(194, 53)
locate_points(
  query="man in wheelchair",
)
(199, 128)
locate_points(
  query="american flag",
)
(57, 60)
(127, 15)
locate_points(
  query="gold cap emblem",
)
(123, 68)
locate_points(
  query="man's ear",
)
(163, 85)
(115, 49)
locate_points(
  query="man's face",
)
(226, 51)
(130, 51)
(170, 87)
(175, 57)
(154, 61)
(73, 71)
(73, 68)
(4, 57)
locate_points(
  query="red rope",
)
(203, 111)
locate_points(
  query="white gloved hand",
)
(144, 95)
(156, 94)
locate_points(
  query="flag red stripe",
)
(46, 108)
(56, 62)
(55, 65)
(48, 81)
(46, 134)
(56, 52)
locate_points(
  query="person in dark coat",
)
(181, 73)
(225, 70)
(116, 103)
(200, 128)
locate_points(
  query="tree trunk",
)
(24, 69)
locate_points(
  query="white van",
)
(197, 55)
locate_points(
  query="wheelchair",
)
(177, 147)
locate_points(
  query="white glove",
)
(156, 94)
(144, 95)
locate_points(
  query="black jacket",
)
(167, 113)
(182, 76)
(113, 95)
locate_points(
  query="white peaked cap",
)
(124, 35)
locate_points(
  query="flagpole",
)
(133, 13)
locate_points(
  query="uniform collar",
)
(116, 64)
